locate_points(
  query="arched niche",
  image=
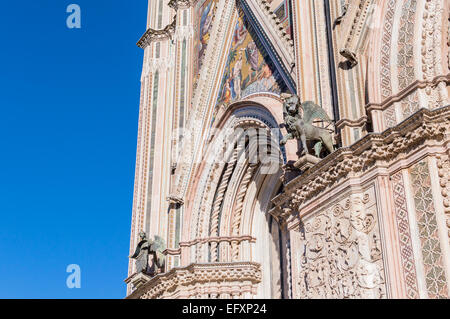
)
(227, 217)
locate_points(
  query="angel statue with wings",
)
(302, 128)
(146, 248)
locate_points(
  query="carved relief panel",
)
(341, 254)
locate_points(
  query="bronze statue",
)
(144, 249)
(302, 128)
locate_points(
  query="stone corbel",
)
(175, 200)
(176, 4)
(157, 35)
(138, 280)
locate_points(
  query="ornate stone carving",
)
(432, 24)
(407, 254)
(275, 26)
(342, 256)
(385, 74)
(237, 216)
(390, 119)
(383, 147)
(443, 165)
(201, 96)
(410, 105)
(405, 45)
(300, 126)
(223, 278)
(428, 231)
(175, 4)
(154, 35)
(357, 13)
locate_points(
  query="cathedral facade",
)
(223, 208)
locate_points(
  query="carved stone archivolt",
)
(341, 254)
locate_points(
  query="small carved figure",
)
(302, 128)
(146, 248)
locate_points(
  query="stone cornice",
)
(157, 35)
(375, 147)
(418, 84)
(198, 273)
(218, 240)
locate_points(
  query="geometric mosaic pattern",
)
(405, 44)
(386, 88)
(390, 119)
(428, 231)
(401, 214)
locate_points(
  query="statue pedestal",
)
(289, 173)
(138, 279)
(306, 162)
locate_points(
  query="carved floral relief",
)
(341, 254)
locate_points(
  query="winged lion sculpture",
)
(301, 127)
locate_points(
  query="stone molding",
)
(278, 37)
(443, 165)
(216, 275)
(202, 95)
(356, 15)
(274, 25)
(418, 84)
(218, 239)
(375, 147)
(351, 123)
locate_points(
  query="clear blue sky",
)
(69, 104)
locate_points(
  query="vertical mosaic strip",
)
(407, 254)
(405, 45)
(428, 231)
(386, 88)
